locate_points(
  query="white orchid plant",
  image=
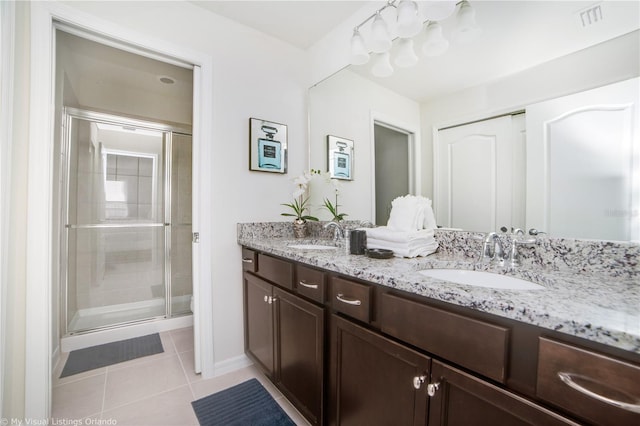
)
(333, 208)
(300, 199)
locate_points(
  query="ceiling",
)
(516, 35)
(300, 23)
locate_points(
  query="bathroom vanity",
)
(353, 340)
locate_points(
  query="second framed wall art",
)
(340, 157)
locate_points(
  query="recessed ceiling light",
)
(166, 79)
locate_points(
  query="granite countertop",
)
(592, 306)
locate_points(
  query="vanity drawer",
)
(477, 345)
(249, 260)
(310, 283)
(351, 298)
(277, 271)
(582, 381)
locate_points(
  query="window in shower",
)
(127, 221)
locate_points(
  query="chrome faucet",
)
(338, 231)
(514, 255)
(492, 249)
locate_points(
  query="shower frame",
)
(70, 113)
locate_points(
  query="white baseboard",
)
(231, 364)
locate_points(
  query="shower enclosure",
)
(126, 246)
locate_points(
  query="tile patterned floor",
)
(154, 390)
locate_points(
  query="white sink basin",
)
(481, 279)
(312, 247)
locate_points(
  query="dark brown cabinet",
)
(379, 344)
(300, 353)
(284, 336)
(460, 399)
(258, 321)
(375, 381)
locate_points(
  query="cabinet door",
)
(300, 355)
(258, 322)
(465, 400)
(372, 379)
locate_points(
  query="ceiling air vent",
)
(591, 15)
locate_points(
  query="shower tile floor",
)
(153, 390)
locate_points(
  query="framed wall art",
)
(267, 146)
(340, 157)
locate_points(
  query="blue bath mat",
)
(246, 404)
(86, 359)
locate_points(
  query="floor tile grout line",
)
(104, 393)
(186, 376)
(148, 396)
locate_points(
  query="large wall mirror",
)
(530, 56)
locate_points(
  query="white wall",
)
(605, 63)
(345, 105)
(254, 76)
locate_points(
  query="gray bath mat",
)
(245, 404)
(111, 353)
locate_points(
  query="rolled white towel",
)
(406, 214)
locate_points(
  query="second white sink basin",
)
(481, 279)
(312, 247)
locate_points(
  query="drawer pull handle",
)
(354, 302)
(247, 260)
(568, 379)
(303, 283)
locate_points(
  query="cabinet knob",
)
(271, 299)
(418, 381)
(266, 298)
(432, 388)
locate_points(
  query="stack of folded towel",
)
(410, 229)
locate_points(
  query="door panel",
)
(259, 322)
(474, 175)
(372, 379)
(464, 400)
(300, 355)
(583, 163)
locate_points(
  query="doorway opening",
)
(393, 165)
(123, 202)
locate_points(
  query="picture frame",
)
(340, 157)
(267, 146)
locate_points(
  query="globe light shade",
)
(380, 39)
(438, 10)
(359, 53)
(434, 42)
(381, 66)
(466, 27)
(409, 22)
(405, 56)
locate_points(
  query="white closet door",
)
(473, 175)
(583, 164)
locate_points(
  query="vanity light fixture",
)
(409, 23)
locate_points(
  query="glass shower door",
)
(115, 224)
